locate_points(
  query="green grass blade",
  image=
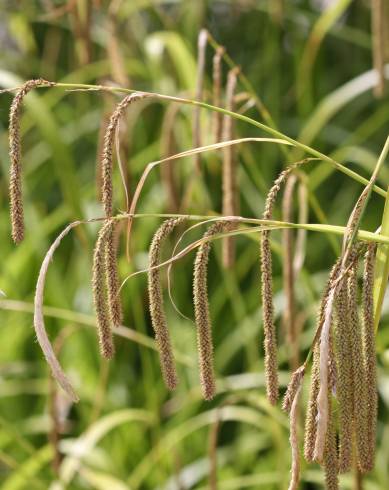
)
(381, 275)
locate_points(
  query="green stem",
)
(241, 117)
(363, 235)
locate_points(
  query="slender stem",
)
(241, 117)
(363, 235)
(368, 190)
(245, 82)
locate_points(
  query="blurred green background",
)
(310, 64)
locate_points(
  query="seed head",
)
(15, 153)
(331, 454)
(270, 341)
(369, 359)
(310, 421)
(345, 387)
(293, 386)
(359, 378)
(312, 410)
(113, 283)
(202, 315)
(100, 296)
(106, 156)
(157, 312)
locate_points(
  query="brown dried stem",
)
(288, 273)
(202, 45)
(378, 24)
(230, 194)
(217, 89)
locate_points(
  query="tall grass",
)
(334, 121)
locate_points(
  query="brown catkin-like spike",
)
(310, 421)
(157, 312)
(345, 388)
(230, 195)
(331, 453)
(100, 145)
(201, 309)
(217, 84)
(359, 383)
(311, 416)
(325, 369)
(332, 369)
(378, 35)
(369, 358)
(323, 408)
(201, 46)
(293, 386)
(107, 153)
(352, 222)
(270, 342)
(113, 283)
(15, 153)
(99, 286)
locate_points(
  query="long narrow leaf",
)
(381, 275)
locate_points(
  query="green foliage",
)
(312, 71)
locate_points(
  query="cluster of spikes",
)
(105, 276)
(341, 416)
(342, 409)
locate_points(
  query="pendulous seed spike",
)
(113, 282)
(331, 453)
(201, 309)
(270, 341)
(310, 421)
(344, 391)
(107, 153)
(312, 410)
(157, 312)
(369, 358)
(100, 296)
(323, 408)
(293, 386)
(359, 380)
(15, 154)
